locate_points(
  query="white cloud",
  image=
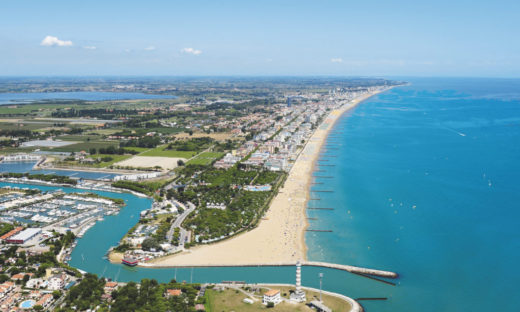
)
(191, 51)
(150, 48)
(336, 60)
(89, 47)
(50, 41)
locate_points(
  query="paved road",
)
(178, 222)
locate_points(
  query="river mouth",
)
(90, 256)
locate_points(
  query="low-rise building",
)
(24, 236)
(272, 296)
(57, 282)
(45, 301)
(173, 293)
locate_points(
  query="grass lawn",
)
(205, 158)
(161, 152)
(231, 300)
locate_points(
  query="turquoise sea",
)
(426, 183)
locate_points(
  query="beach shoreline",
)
(280, 236)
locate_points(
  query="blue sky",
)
(320, 37)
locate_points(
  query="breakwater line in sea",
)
(343, 267)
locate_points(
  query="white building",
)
(24, 236)
(273, 296)
(57, 282)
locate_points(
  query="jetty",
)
(327, 231)
(373, 278)
(343, 267)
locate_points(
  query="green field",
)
(205, 158)
(23, 126)
(138, 149)
(161, 152)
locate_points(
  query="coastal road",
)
(178, 222)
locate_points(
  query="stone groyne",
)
(348, 268)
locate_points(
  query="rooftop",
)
(272, 292)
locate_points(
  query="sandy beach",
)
(280, 236)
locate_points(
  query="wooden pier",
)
(322, 191)
(324, 177)
(318, 208)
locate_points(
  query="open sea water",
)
(426, 183)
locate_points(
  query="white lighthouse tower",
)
(299, 294)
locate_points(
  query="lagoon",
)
(29, 97)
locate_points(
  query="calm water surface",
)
(17, 98)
